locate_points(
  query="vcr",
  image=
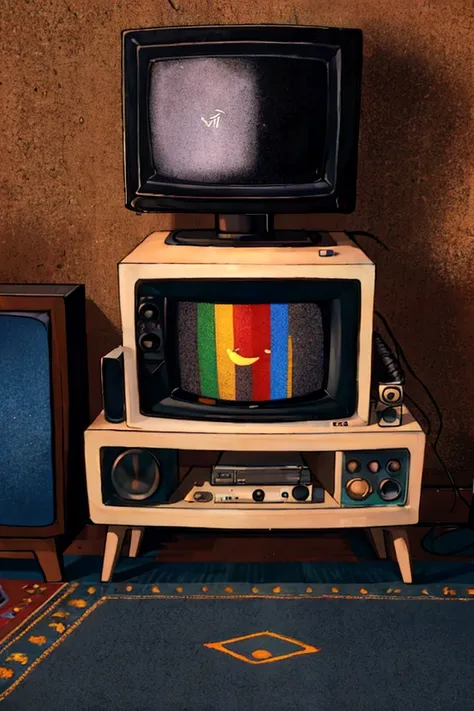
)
(260, 468)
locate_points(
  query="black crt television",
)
(241, 120)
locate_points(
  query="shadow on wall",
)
(415, 153)
(26, 257)
(412, 192)
(52, 265)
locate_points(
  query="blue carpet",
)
(136, 647)
(147, 569)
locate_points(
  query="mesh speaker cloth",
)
(26, 447)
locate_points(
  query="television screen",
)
(248, 119)
(238, 120)
(251, 352)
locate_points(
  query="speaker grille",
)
(26, 462)
(127, 473)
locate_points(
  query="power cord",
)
(448, 554)
(387, 365)
(427, 431)
(433, 401)
(458, 494)
(363, 233)
(400, 354)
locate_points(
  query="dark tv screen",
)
(244, 120)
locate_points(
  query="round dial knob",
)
(389, 489)
(353, 466)
(258, 495)
(391, 395)
(202, 496)
(389, 415)
(148, 311)
(373, 466)
(358, 489)
(149, 342)
(135, 474)
(394, 466)
(300, 493)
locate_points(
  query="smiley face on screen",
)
(251, 352)
(238, 359)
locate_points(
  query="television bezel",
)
(336, 193)
(160, 398)
(65, 306)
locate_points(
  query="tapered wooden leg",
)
(136, 537)
(47, 556)
(113, 545)
(402, 551)
(377, 539)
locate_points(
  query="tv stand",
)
(248, 231)
(399, 536)
(324, 451)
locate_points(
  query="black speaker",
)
(113, 386)
(388, 380)
(389, 415)
(138, 476)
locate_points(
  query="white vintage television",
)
(276, 339)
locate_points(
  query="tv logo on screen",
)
(340, 424)
(213, 120)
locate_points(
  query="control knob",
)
(300, 493)
(258, 495)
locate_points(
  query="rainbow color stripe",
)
(250, 352)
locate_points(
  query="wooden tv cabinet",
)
(321, 442)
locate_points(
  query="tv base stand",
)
(116, 535)
(248, 231)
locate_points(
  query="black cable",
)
(427, 431)
(451, 479)
(446, 554)
(401, 353)
(412, 372)
(428, 421)
(396, 346)
(434, 403)
(387, 364)
(457, 493)
(363, 233)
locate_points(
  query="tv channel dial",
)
(375, 477)
(358, 489)
(391, 395)
(148, 311)
(390, 489)
(202, 497)
(150, 341)
(300, 492)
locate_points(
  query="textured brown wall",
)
(62, 214)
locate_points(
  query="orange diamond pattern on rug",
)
(262, 647)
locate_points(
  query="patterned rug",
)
(234, 646)
(19, 600)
